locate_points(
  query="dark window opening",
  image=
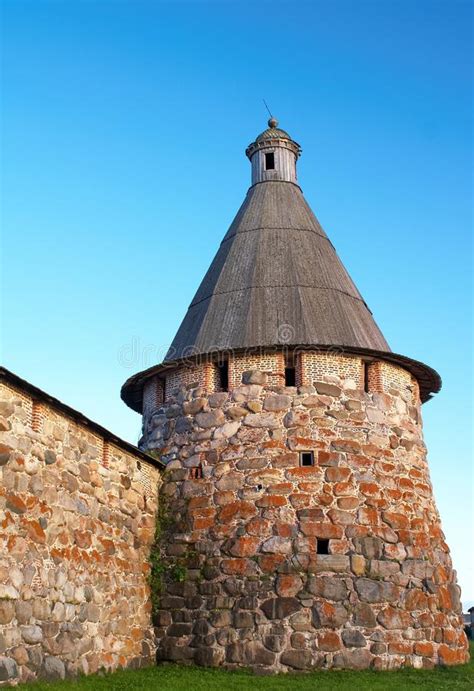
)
(269, 161)
(306, 458)
(366, 377)
(223, 375)
(290, 376)
(323, 547)
(196, 473)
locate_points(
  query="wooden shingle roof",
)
(276, 280)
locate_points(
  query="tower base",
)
(281, 561)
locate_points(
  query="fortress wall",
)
(277, 566)
(77, 516)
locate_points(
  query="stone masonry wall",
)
(310, 366)
(153, 395)
(383, 376)
(76, 524)
(273, 364)
(187, 375)
(250, 525)
(314, 365)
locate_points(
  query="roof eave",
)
(428, 378)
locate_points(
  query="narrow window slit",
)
(290, 376)
(223, 369)
(290, 370)
(196, 473)
(306, 458)
(322, 546)
(366, 376)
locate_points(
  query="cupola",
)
(273, 155)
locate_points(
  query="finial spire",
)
(273, 122)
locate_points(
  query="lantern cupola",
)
(273, 155)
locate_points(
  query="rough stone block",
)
(32, 634)
(327, 389)
(243, 619)
(7, 611)
(297, 659)
(280, 607)
(331, 562)
(250, 653)
(180, 629)
(49, 457)
(332, 616)
(227, 430)
(392, 618)
(276, 402)
(353, 659)
(264, 420)
(209, 657)
(254, 377)
(213, 418)
(364, 616)
(8, 669)
(375, 591)
(370, 547)
(329, 641)
(174, 650)
(296, 418)
(288, 585)
(328, 587)
(353, 638)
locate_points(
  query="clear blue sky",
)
(124, 127)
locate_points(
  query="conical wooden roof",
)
(276, 279)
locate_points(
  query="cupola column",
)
(273, 155)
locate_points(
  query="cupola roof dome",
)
(273, 132)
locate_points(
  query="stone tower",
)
(302, 530)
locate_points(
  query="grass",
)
(172, 677)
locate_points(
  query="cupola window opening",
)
(306, 458)
(270, 161)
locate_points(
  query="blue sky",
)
(124, 130)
